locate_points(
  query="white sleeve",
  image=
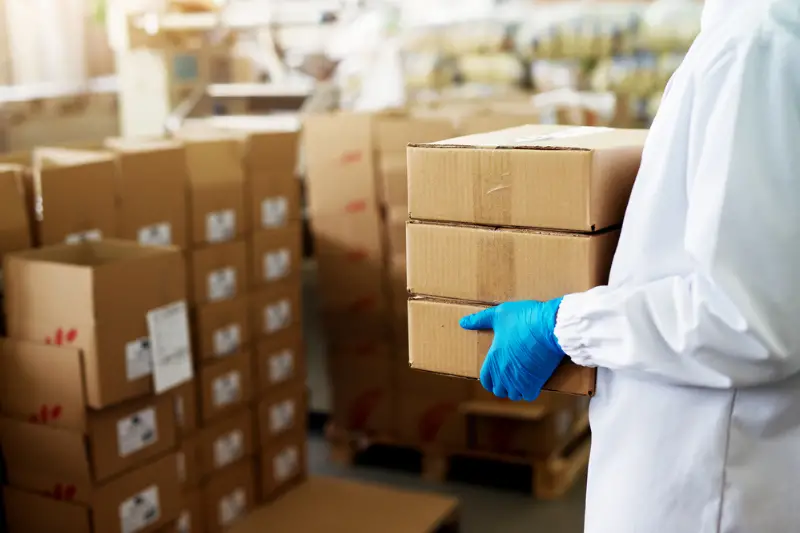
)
(734, 319)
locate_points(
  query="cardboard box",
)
(393, 133)
(144, 500)
(276, 308)
(431, 419)
(438, 344)
(570, 178)
(75, 195)
(274, 190)
(95, 296)
(229, 495)
(219, 272)
(353, 235)
(15, 230)
(43, 385)
(227, 442)
(340, 172)
(276, 254)
(362, 378)
(497, 265)
(216, 188)
(498, 120)
(396, 218)
(190, 467)
(410, 381)
(282, 411)
(283, 465)
(280, 360)
(222, 329)
(185, 402)
(151, 187)
(190, 519)
(393, 171)
(226, 386)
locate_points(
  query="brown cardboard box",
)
(276, 254)
(191, 518)
(229, 495)
(362, 376)
(226, 386)
(283, 465)
(356, 234)
(219, 272)
(216, 188)
(393, 171)
(571, 178)
(282, 411)
(498, 120)
(396, 218)
(190, 472)
(15, 230)
(95, 296)
(151, 187)
(280, 360)
(43, 385)
(393, 133)
(431, 419)
(276, 308)
(222, 329)
(410, 381)
(340, 170)
(488, 265)
(75, 191)
(226, 442)
(274, 190)
(144, 500)
(185, 402)
(438, 344)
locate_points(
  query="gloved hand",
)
(525, 351)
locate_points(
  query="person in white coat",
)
(696, 421)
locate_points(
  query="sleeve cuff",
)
(572, 327)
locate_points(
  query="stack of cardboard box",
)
(524, 213)
(15, 228)
(98, 348)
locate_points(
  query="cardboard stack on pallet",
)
(524, 213)
(98, 349)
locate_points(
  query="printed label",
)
(232, 507)
(281, 366)
(184, 523)
(156, 234)
(277, 316)
(277, 264)
(227, 340)
(227, 389)
(285, 464)
(274, 212)
(138, 359)
(228, 449)
(84, 236)
(222, 284)
(281, 416)
(140, 511)
(168, 329)
(136, 432)
(221, 226)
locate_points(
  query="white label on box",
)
(156, 234)
(181, 467)
(277, 264)
(84, 236)
(222, 284)
(232, 507)
(281, 416)
(168, 328)
(285, 464)
(281, 366)
(184, 523)
(136, 432)
(274, 212)
(277, 316)
(228, 449)
(221, 226)
(227, 340)
(138, 359)
(227, 389)
(140, 511)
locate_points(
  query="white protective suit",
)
(697, 336)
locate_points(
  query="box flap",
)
(43, 384)
(213, 159)
(44, 158)
(438, 344)
(133, 145)
(26, 512)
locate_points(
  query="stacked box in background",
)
(523, 213)
(98, 351)
(15, 228)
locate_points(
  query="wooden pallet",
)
(551, 477)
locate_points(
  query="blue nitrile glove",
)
(525, 351)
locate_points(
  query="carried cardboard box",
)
(152, 179)
(97, 296)
(219, 272)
